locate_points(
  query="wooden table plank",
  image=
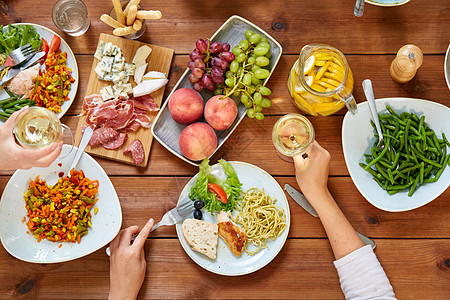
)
(417, 269)
(381, 30)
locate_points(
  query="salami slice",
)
(117, 142)
(137, 151)
(103, 135)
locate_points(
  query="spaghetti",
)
(260, 218)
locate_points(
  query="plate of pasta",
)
(260, 191)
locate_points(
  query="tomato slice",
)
(54, 45)
(218, 191)
(45, 48)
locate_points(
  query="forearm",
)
(343, 238)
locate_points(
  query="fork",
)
(172, 217)
(18, 56)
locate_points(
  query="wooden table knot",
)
(25, 286)
(278, 26)
(444, 264)
(372, 220)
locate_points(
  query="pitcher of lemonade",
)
(321, 82)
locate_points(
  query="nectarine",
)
(197, 141)
(220, 113)
(186, 106)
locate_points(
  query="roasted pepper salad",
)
(52, 87)
(61, 213)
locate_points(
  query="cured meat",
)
(125, 113)
(103, 135)
(137, 151)
(92, 101)
(145, 103)
(117, 142)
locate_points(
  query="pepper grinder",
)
(404, 66)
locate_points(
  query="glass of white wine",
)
(38, 127)
(292, 135)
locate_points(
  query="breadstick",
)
(124, 31)
(132, 15)
(132, 2)
(119, 12)
(148, 14)
(110, 21)
(137, 25)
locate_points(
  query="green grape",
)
(248, 34)
(260, 51)
(240, 71)
(234, 66)
(251, 60)
(244, 98)
(268, 55)
(262, 73)
(217, 92)
(258, 108)
(229, 82)
(228, 74)
(262, 61)
(248, 104)
(254, 38)
(266, 103)
(251, 89)
(255, 68)
(237, 94)
(264, 44)
(241, 57)
(252, 54)
(236, 50)
(258, 116)
(247, 79)
(244, 44)
(265, 91)
(264, 40)
(251, 113)
(256, 81)
(257, 98)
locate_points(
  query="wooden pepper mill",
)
(404, 66)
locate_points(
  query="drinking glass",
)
(38, 127)
(321, 82)
(292, 135)
(71, 16)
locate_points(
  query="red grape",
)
(195, 54)
(218, 80)
(226, 47)
(228, 56)
(191, 65)
(216, 71)
(215, 47)
(221, 63)
(197, 72)
(201, 45)
(208, 83)
(198, 86)
(193, 79)
(199, 63)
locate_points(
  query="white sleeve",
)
(362, 276)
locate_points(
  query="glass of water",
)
(71, 16)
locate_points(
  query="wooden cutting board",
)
(160, 60)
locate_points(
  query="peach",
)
(220, 113)
(186, 106)
(197, 141)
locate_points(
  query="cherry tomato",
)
(45, 48)
(218, 191)
(54, 45)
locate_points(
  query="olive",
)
(198, 214)
(199, 204)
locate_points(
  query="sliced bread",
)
(201, 236)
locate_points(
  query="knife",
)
(304, 203)
(14, 72)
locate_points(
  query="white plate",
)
(447, 66)
(167, 131)
(358, 138)
(387, 2)
(226, 262)
(71, 62)
(105, 224)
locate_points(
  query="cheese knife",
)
(14, 72)
(304, 203)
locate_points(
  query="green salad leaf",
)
(230, 184)
(13, 37)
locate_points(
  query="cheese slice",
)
(139, 73)
(154, 75)
(141, 55)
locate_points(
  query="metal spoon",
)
(87, 134)
(359, 8)
(368, 91)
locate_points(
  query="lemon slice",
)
(309, 64)
(303, 105)
(298, 87)
(326, 109)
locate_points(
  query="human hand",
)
(312, 172)
(127, 262)
(15, 156)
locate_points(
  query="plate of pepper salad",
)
(52, 74)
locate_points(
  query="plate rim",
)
(387, 4)
(344, 146)
(190, 252)
(119, 220)
(447, 67)
(163, 107)
(62, 113)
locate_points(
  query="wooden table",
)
(413, 247)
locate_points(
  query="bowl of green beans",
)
(417, 171)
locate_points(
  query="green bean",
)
(441, 170)
(445, 139)
(6, 100)
(378, 157)
(11, 104)
(10, 110)
(2, 113)
(413, 187)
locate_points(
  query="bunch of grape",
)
(244, 80)
(209, 61)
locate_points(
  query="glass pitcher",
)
(321, 82)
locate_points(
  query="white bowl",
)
(358, 138)
(447, 66)
(13, 232)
